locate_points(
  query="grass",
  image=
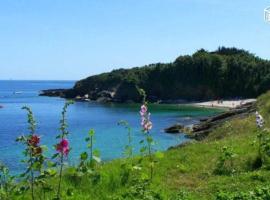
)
(187, 171)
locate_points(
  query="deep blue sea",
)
(82, 116)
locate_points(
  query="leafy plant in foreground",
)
(263, 138)
(127, 166)
(88, 161)
(128, 153)
(33, 153)
(147, 125)
(7, 185)
(225, 164)
(259, 193)
(62, 147)
(140, 190)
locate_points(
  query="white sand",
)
(224, 104)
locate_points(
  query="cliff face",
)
(225, 73)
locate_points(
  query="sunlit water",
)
(82, 116)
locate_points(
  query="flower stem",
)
(60, 176)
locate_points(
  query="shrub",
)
(225, 163)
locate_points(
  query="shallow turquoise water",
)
(82, 116)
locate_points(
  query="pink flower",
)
(63, 147)
(148, 126)
(34, 140)
(143, 110)
(145, 119)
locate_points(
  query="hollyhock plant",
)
(33, 153)
(62, 147)
(147, 125)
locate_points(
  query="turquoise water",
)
(82, 116)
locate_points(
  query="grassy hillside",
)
(224, 73)
(189, 172)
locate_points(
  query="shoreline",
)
(200, 130)
(229, 104)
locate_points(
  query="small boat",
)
(17, 92)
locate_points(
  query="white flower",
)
(259, 120)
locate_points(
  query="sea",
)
(110, 138)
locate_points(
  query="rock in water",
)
(176, 128)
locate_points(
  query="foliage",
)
(87, 167)
(259, 193)
(34, 158)
(62, 147)
(184, 173)
(7, 185)
(224, 73)
(140, 190)
(225, 164)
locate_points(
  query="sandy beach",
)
(224, 103)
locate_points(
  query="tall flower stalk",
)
(62, 147)
(33, 151)
(93, 155)
(127, 165)
(128, 148)
(147, 125)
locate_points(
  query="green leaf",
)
(149, 139)
(51, 172)
(91, 132)
(96, 153)
(143, 149)
(44, 147)
(55, 155)
(84, 156)
(159, 155)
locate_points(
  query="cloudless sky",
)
(72, 39)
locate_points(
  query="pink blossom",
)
(148, 126)
(143, 110)
(145, 119)
(63, 147)
(34, 140)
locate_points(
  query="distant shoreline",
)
(223, 103)
(229, 104)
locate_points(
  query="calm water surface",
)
(82, 116)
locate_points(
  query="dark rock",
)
(103, 100)
(176, 128)
(105, 93)
(53, 93)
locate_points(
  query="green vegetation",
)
(224, 73)
(222, 167)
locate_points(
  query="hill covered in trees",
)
(224, 73)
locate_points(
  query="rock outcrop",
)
(176, 128)
(201, 130)
(54, 92)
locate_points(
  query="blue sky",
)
(72, 39)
